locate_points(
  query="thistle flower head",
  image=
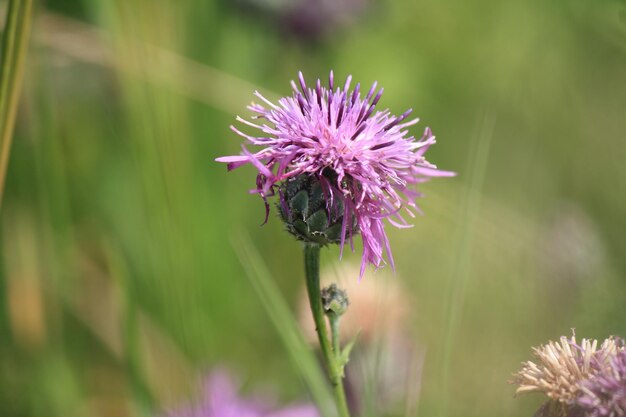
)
(604, 395)
(363, 160)
(562, 366)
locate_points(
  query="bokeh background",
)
(122, 279)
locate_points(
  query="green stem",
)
(334, 331)
(330, 354)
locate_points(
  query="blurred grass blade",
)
(14, 46)
(285, 323)
(190, 78)
(144, 401)
(457, 283)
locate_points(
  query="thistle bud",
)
(334, 300)
(308, 214)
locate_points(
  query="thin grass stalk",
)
(14, 48)
(285, 324)
(144, 399)
(456, 287)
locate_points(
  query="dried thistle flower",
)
(604, 395)
(561, 367)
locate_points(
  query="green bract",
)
(305, 212)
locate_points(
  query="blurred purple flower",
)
(220, 399)
(604, 395)
(308, 19)
(364, 158)
(315, 18)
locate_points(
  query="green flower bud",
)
(334, 300)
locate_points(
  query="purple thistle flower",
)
(220, 399)
(364, 160)
(604, 395)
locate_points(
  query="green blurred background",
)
(120, 283)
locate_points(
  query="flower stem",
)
(334, 331)
(330, 353)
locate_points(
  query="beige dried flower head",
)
(562, 366)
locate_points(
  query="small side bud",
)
(334, 300)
